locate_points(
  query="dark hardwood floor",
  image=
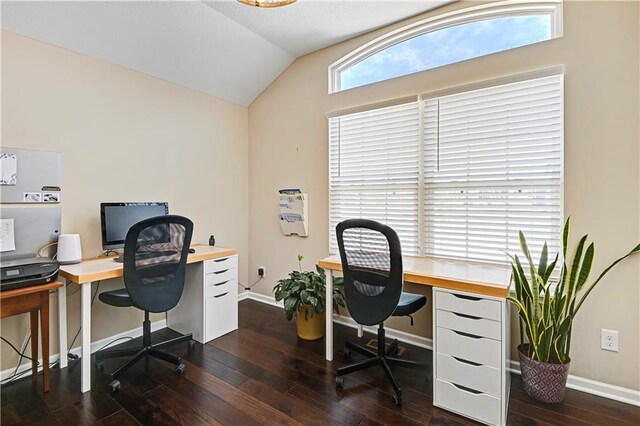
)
(263, 374)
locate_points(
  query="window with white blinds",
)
(459, 175)
(374, 170)
(492, 167)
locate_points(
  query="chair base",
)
(383, 357)
(139, 353)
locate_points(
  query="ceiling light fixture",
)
(267, 3)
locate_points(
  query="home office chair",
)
(373, 278)
(154, 268)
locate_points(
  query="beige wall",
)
(288, 148)
(124, 136)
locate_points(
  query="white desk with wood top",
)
(471, 340)
(92, 270)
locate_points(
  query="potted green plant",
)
(304, 296)
(547, 313)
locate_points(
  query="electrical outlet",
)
(262, 271)
(609, 340)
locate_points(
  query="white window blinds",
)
(374, 170)
(458, 175)
(493, 166)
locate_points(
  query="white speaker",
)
(69, 249)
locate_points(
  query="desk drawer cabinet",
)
(209, 305)
(470, 355)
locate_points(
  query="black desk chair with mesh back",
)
(155, 263)
(372, 265)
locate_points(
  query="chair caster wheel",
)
(192, 344)
(100, 365)
(347, 353)
(340, 382)
(180, 369)
(397, 400)
(114, 386)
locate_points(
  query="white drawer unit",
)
(468, 402)
(469, 374)
(209, 304)
(467, 346)
(217, 265)
(471, 340)
(469, 304)
(469, 324)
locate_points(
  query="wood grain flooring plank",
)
(329, 403)
(181, 409)
(208, 401)
(120, 418)
(76, 414)
(253, 407)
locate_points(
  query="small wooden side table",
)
(32, 299)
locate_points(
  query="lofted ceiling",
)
(221, 48)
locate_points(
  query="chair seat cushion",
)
(116, 298)
(409, 303)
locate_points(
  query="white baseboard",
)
(617, 393)
(95, 346)
(268, 300)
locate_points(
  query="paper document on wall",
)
(8, 169)
(7, 235)
(291, 217)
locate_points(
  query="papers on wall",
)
(7, 235)
(294, 212)
(8, 169)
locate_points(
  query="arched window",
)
(446, 39)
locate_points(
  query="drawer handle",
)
(466, 389)
(223, 282)
(221, 260)
(464, 361)
(221, 272)
(220, 295)
(466, 316)
(462, 333)
(462, 296)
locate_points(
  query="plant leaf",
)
(565, 237)
(544, 258)
(636, 249)
(585, 270)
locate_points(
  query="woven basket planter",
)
(543, 381)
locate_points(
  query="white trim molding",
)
(605, 390)
(553, 8)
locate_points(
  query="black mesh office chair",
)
(373, 278)
(155, 263)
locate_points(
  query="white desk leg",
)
(86, 336)
(329, 316)
(62, 325)
(360, 330)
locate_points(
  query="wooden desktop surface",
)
(7, 294)
(487, 280)
(104, 268)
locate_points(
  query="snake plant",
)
(546, 313)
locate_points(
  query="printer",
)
(27, 272)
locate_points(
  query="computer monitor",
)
(117, 218)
